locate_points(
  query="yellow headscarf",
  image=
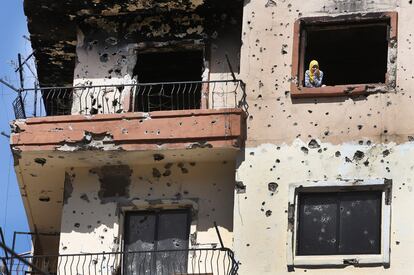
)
(311, 64)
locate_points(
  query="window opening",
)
(147, 232)
(347, 52)
(170, 66)
(340, 223)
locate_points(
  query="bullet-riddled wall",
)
(292, 140)
(108, 49)
(96, 200)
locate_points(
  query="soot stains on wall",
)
(114, 181)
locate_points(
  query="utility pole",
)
(20, 68)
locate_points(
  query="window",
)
(147, 232)
(339, 223)
(155, 68)
(355, 53)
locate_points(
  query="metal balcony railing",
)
(163, 262)
(141, 97)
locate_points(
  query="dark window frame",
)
(298, 73)
(151, 259)
(157, 212)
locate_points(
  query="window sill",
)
(340, 260)
(337, 90)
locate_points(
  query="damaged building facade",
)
(178, 136)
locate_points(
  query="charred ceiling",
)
(53, 26)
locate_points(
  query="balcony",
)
(131, 117)
(165, 262)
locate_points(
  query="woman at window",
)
(313, 76)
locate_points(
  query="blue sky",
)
(12, 28)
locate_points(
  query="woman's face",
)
(314, 69)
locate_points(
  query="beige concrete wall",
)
(280, 129)
(260, 238)
(267, 72)
(93, 211)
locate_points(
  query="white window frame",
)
(295, 189)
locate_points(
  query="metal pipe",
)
(23, 260)
(9, 85)
(218, 234)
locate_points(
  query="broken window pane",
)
(339, 223)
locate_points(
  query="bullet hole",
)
(358, 155)
(385, 153)
(268, 213)
(168, 165)
(84, 197)
(167, 173)
(93, 111)
(44, 198)
(310, 111)
(366, 163)
(40, 161)
(77, 225)
(313, 144)
(192, 163)
(271, 3)
(252, 153)
(33, 175)
(263, 203)
(359, 127)
(284, 47)
(184, 170)
(156, 173)
(348, 159)
(397, 242)
(158, 157)
(410, 138)
(65, 247)
(304, 150)
(104, 57)
(111, 41)
(272, 186)
(326, 133)
(337, 154)
(240, 187)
